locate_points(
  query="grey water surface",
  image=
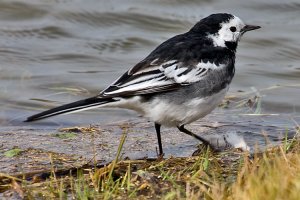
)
(55, 52)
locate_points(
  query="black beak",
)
(249, 28)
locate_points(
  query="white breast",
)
(167, 113)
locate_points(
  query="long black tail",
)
(71, 107)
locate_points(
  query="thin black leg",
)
(157, 128)
(182, 129)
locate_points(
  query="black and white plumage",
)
(182, 80)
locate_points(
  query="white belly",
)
(169, 114)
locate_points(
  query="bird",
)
(182, 80)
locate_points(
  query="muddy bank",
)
(30, 149)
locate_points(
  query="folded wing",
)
(158, 76)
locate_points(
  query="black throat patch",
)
(231, 45)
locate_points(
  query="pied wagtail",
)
(182, 80)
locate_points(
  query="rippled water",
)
(55, 52)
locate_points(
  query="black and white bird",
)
(182, 80)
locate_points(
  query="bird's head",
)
(225, 30)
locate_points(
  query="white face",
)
(230, 32)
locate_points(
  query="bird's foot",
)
(204, 148)
(160, 155)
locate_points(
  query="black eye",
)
(233, 29)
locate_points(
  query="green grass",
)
(13, 152)
(65, 135)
